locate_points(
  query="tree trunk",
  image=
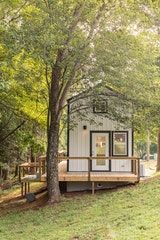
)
(158, 151)
(0, 172)
(16, 171)
(52, 163)
(53, 133)
(5, 174)
(32, 158)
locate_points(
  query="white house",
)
(94, 132)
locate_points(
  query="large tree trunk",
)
(158, 151)
(52, 163)
(53, 134)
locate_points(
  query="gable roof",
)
(107, 91)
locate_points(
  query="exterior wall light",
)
(84, 127)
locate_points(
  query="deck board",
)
(83, 177)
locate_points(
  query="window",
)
(120, 144)
(100, 106)
(100, 150)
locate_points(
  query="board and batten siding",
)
(79, 143)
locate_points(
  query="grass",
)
(126, 214)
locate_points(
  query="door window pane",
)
(119, 143)
(100, 150)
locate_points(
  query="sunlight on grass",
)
(126, 214)
(16, 191)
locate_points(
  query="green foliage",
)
(141, 148)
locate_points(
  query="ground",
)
(130, 213)
(11, 200)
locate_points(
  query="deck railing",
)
(135, 162)
(39, 167)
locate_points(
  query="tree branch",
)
(19, 126)
(77, 14)
(5, 125)
(67, 86)
(13, 131)
(76, 18)
(16, 13)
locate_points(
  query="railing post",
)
(19, 173)
(25, 188)
(136, 166)
(89, 169)
(23, 171)
(93, 188)
(40, 169)
(138, 173)
(43, 166)
(22, 189)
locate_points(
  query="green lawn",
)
(125, 214)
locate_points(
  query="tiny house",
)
(97, 129)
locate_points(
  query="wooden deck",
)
(65, 176)
(30, 172)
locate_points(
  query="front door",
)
(100, 148)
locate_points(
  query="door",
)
(100, 148)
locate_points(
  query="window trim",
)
(103, 101)
(127, 145)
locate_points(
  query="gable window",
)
(120, 144)
(100, 106)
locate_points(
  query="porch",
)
(36, 172)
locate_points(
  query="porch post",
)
(93, 189)
(89, 169)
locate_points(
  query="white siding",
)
(79, 142)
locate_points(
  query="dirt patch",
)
(19, 203)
